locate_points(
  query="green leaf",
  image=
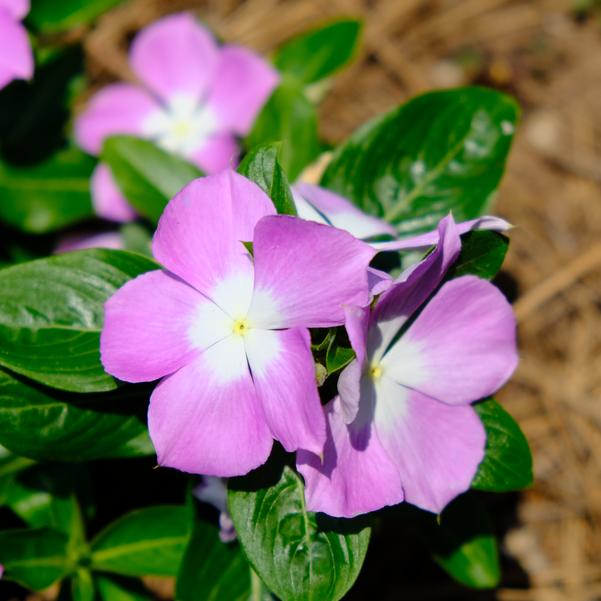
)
(482, 254)
(212, 570)
(338, 357)
(34, 558)
(49, 195)
(82, 586)
(464, 545)
(148, 176)
(118, 588)
(320, 52)
(507, 464)
(47, 424)
(288, 117)
(51, 313)
(299, 555)
(50, 16)
(440, 152)
(146, 542)
(262, 167)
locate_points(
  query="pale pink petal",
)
(379, 281)
(117, 109)
(342, 213)
(109, 203)
(154, 325)
(436, 447)
(243, 83)
(83, 240)
(356, 323)
(306, 272)
(17, 9)
(356, 475)
(402, 299)
(283, 371)
(462, 346)
(198, 236)
(220, 151)
(206, 418)
(175, 56)
(16, 58)
(486, 222)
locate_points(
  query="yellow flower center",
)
(375, 372)
(240, 327)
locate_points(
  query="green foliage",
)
(262, 167)
(49, 195)
(288, 117)
(50, 16)
(319, 53)
(507, 464)
(145, 542)
(51, 313)
(148, 176)
(440, 151)
(299, 555)
(482, 254)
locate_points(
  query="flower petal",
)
(356, 323)
(486, 222)
(154, 325)
(436, 447)
(175, 56)
(309, 271)
(342, 213)
(243, 83)
(109, 203)
(466, 342)
(206, 418)
(17, 9)
(198, 236)
(88, 239)
(16, 58)
(117, 109)
(356, 475)
(283, 371)
(220, 151)
(402, 299)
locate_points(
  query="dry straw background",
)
(551, 61)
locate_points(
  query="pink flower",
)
(401, 427)
(324, 206)
(83, 240)
(194, 99)
(16, 58)
(213, 491)
(229, 331)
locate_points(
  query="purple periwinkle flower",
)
(194, 99)
(402, 426)
(228, 331)
(16, 58)
(324, 206)
(212, 490)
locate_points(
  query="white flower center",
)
(181, 127)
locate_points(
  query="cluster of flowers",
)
(225, 324)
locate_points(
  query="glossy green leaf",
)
(464, 545)
(82, 586)
(482, 254)
(212, 570)
(316, 54)
(299, 555)
(149, 541)
(46, 424)
(262, 167)
(338, 357)
(34, 558)
(148, 176)
(507, 464)
(50, 16)
(48, 195)
(288, 117)
(51, 313)
(440, 152)
(119, 588)
(10, 465)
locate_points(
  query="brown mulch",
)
(538, 51)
